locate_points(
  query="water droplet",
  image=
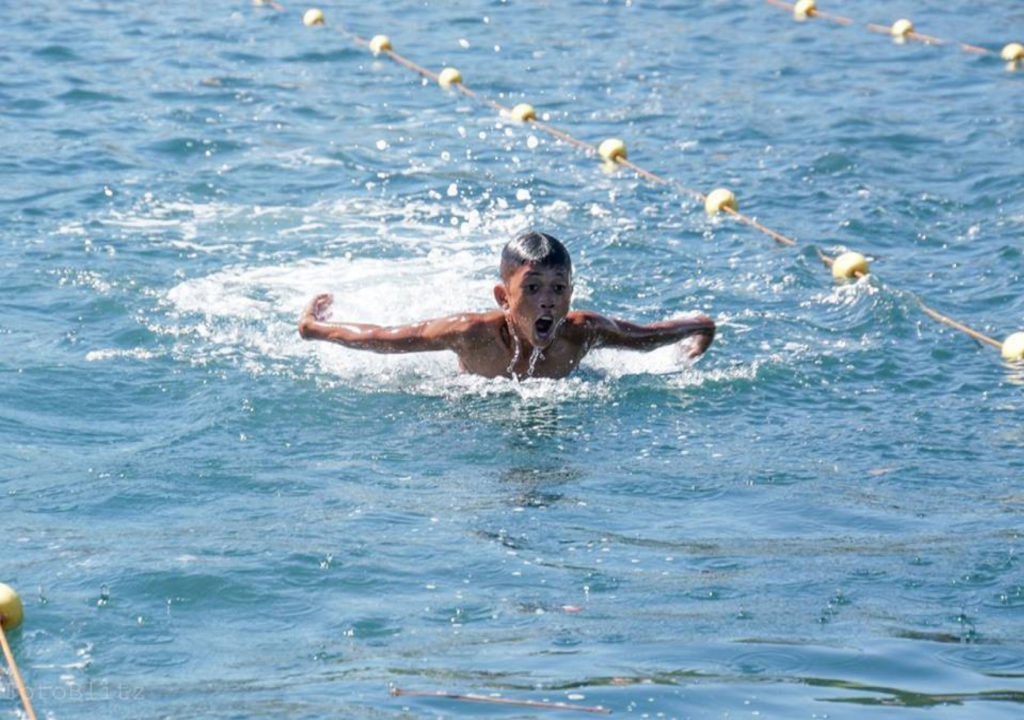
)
(516, 351)
(535, 355)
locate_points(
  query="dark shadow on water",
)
(538, 487)
(894, 697)
(533, 424)
(880, 696)
(527, 423)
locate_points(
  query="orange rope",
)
(15, 674)
(566, 137)
(556, 133)
(834, 18)
(645, 173)
(934, 315)
(887, 30)
(957, 326)
(411, 65)
(813, 13)
(663, 181)
(777, 237)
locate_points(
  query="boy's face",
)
(536, 300)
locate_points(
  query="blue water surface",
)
(208, 517)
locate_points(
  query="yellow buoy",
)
(718, 199)
(448, 77)
(313, 16)
(1013, 346)
(1013, 51)
(901, 28)
(10, 608)
(804, 9)
(379, 44)
(612, 150)
(849, 265)
(523, 112)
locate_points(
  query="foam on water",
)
(247, 313)
(483, 220)
(112, 353)
(252, 312)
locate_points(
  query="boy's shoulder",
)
(478, 325)
(583, 317)
(586, 320)
(480, 320)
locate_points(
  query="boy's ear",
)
(501, 296)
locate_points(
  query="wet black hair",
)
(533, 248)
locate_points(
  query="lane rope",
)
(846, 266)
(11, 614)
(900, 31)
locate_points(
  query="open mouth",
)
(543, 326)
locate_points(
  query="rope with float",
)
(11, 614)
(901, 31)
(848, 265)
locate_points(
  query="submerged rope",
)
(720, 200)
(501, 701)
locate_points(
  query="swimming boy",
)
(532, 334)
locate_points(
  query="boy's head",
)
(536, 248)
(536, 287)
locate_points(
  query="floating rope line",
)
(901, 30)
(1007, 347)
(846, 266)
(16, 676)
(501, 701)
(10, 617)
(855, 265)
(612, 151)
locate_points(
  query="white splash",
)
(245, 314)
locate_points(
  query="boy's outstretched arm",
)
(608, 332)
(441, 334)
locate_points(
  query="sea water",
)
(209, 517)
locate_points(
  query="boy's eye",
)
(533, 287)
(559, 289)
